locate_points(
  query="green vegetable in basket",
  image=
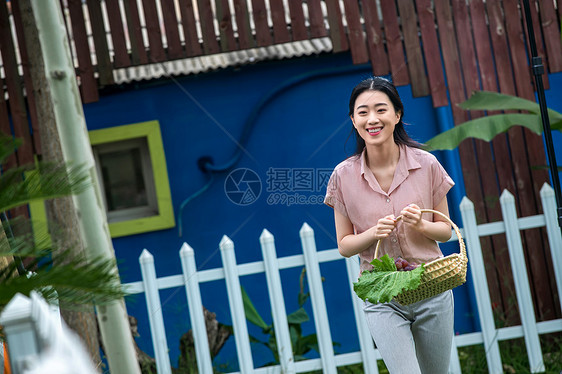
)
(384, 282)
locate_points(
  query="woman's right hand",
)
(384, 227)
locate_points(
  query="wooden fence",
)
(191, 278)
(443, 48)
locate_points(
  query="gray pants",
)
(415, 338)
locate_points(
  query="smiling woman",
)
(390, 176)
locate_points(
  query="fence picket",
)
(522, 289)
(155, 317)
(553, 232)
(368, 352)
(318, 302)
(191, 282)
(236, 306)
(277, 300)
(484, 305)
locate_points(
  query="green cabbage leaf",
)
(384, 282)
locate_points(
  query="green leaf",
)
(384, 282)
(46, 181)
(485, 128)
(298, 317)
(486, 100)
(252, 314)
(386, 263)
(8, 146)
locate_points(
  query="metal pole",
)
(71, 124)
(538, 71)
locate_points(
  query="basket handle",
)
(455, 228)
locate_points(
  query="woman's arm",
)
(350, 244)
(439, 229)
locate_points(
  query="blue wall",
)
(302, 127)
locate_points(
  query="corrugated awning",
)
(195, 65)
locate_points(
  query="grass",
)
(514, 356)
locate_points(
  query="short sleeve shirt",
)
(419, 178)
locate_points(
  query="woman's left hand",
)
(411, 215)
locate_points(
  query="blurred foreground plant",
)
(76, 279)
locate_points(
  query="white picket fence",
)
(328, 362)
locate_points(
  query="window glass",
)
(126, 179)
(123, 179)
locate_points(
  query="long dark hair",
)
(383, 85)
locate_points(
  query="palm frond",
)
(8, 145)
(76, 281)
(21, 185)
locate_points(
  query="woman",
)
(388, 176)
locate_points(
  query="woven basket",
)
(440, 275)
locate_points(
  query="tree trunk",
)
(61, 213)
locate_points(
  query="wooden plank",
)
(500, 48)
(245, 38)
(465, 44)
(138, 50)
(398, 66)
(551, 32)
(30, 94)
(359, 52)
(224, 18)
(482, 46)
(432, 53)
(450, 53)
(11, 160)
(316, 19)
(192, 45)
(104, 66)
(206, 19)
(120, 52)
(280, 27)
(412, 45)
(298, 28)
(85, 70)
(175, 50)
(337, 31)
(263, 34)
(156, 51)
(375, 39)
(528, 190)
(15, 92)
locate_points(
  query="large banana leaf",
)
(486, 128)
(486, 100)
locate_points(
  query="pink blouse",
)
(419, 178)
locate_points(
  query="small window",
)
(133, 178)
(126, 179)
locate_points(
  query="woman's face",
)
(374, 117)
